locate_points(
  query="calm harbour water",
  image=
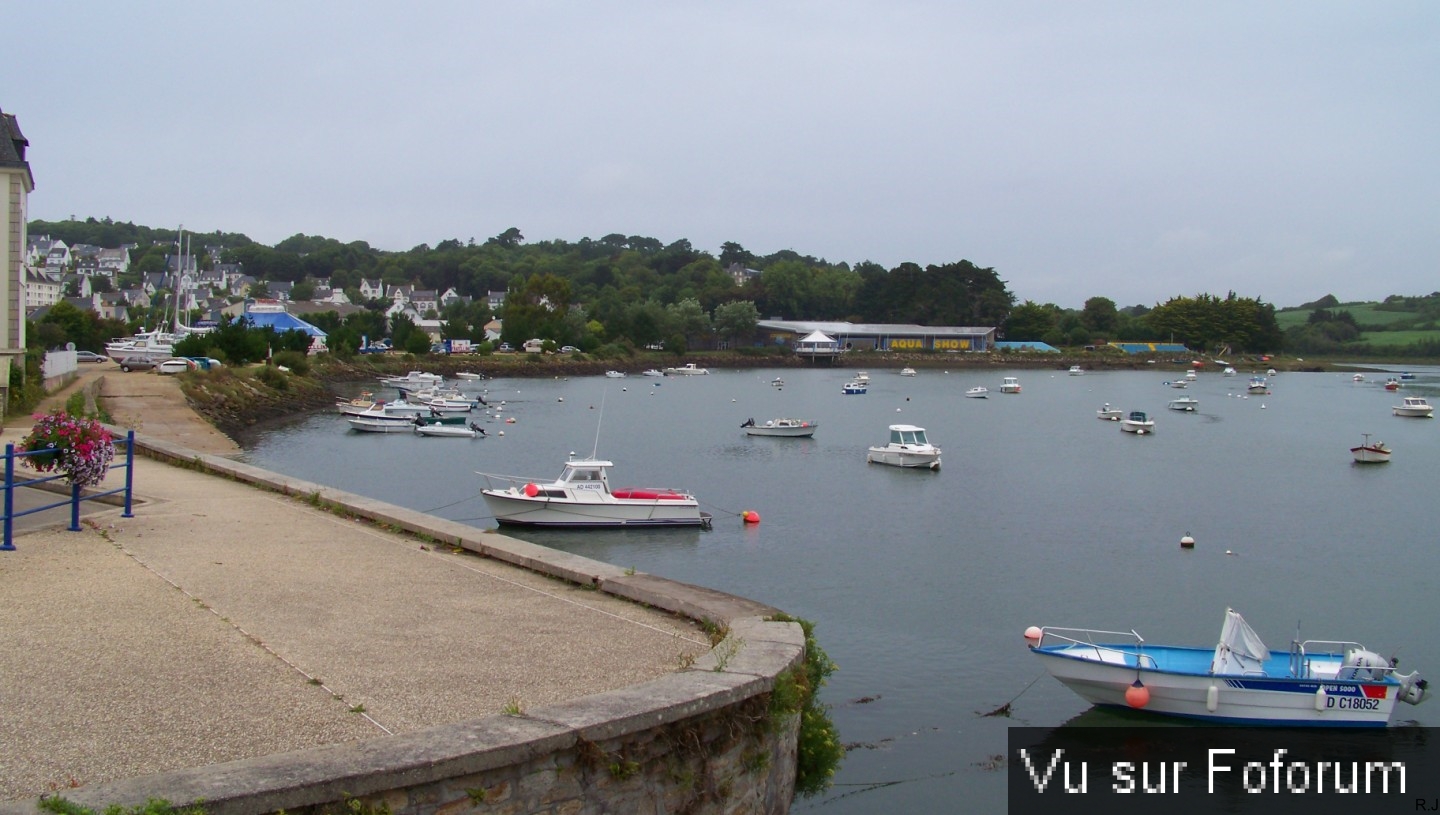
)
(921, 583)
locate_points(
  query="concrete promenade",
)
(225, 621)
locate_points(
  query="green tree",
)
(1031, 321)
(303, 291)
(690, 320)
(1100, 316)
(737, 320)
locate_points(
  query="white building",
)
(16, 184)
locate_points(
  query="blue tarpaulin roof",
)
(1022, 345)
(281, 321)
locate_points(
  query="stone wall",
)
(705, 739)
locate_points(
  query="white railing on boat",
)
(1101, 649)
(510, 481)
(1304, 654)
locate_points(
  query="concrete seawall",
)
(706, 738)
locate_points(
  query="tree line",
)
(634, 291)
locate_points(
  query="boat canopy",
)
(1240, 650)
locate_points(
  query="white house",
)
(113, 262)
(40, 289)
(371, 289)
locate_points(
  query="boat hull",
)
(1414, 413)
(782, 432)
(515, 508)
(904, 458)
(1138, 428)
(1262, 700)
(381, 425)
(445, 431)
(1370, 455)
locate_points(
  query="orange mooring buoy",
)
(750, 516)
(1137, 695)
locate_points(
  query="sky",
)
(1132, 150)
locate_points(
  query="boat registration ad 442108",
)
(582, 497)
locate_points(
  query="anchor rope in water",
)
(1005, 708)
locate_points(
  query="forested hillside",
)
(640, 290)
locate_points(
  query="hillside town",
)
(198, 284)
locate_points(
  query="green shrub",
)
(818, 750)
(273, 378)
(297, 362)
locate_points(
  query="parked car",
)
(128, 364)
(176, 365)
(506, 348)
(90, 356)
(569, 349)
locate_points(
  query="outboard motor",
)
(1363, 666)
(1412, 687)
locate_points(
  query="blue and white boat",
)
(854, 386)
(1317, 683)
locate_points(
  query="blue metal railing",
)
(11, 484)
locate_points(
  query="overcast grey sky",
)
(1132, 150)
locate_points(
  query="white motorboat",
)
(381, 424)
(1371, 452)
(1239, 681)
(397, 411)
(156, 344)
(1184, 403)
(615, 374)
(356, 406)
(907, 371)
(1358, 378)
(1138, 423)
(1179, 383)
(1229, 371)
(1191, 376)
(468, 376)
(1109, 414)
(854, 386)
(792, 428)
(908, 447)
(462, 431)
(1258, 384)
(414, 380)
(1415, 407)
(582, 497)
(688, 369)
(777, 382)
(978, 392)
(862, 377)
(1076, 370)
(1010, 384)
(653, 372)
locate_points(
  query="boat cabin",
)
(905, 434)
(586, 475)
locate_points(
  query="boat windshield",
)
(911, 436)
(580, 474)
